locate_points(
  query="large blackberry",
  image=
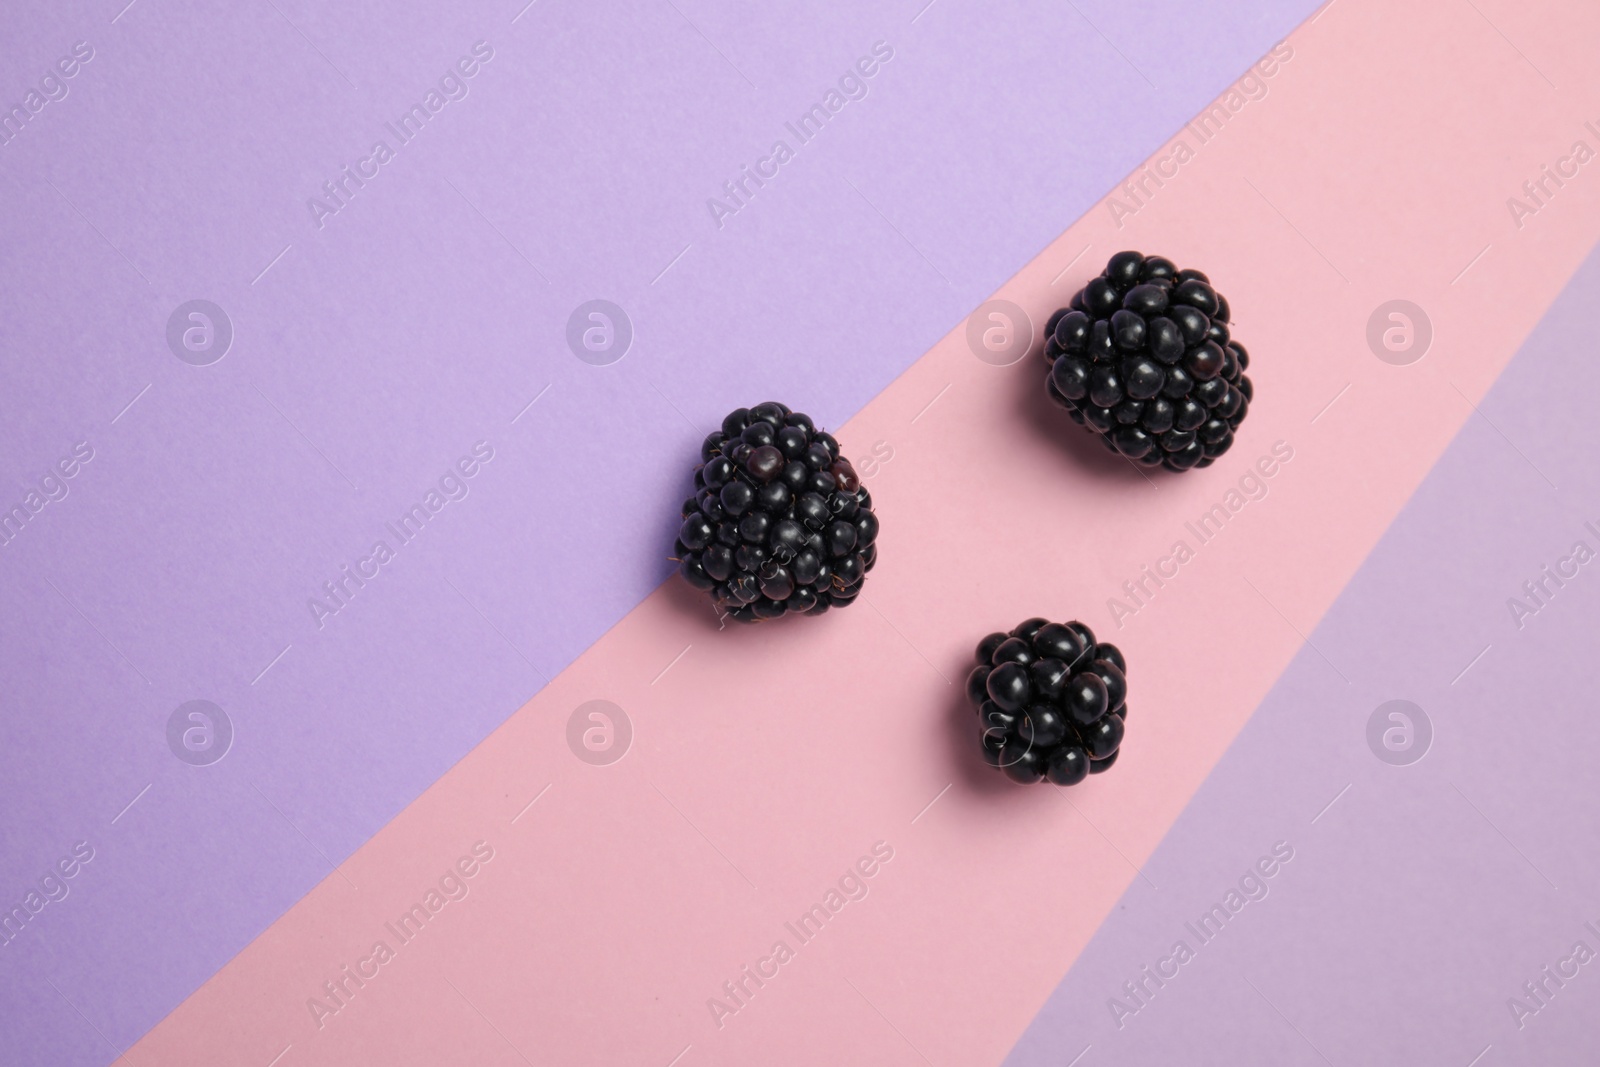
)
(779, 522)
(1051, 702)
(1143, 357)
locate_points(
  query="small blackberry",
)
(1051, 702)
(779, 522)
(1144, 358)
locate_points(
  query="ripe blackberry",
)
(1143, 357)
(1051, 702)
(779, 522)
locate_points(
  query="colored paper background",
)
(425, 315)
(372, 353)
(765, 762)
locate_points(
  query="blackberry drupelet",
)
(779, 522)
(1144, 358)
(1051, 702)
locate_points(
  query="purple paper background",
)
(421, 318)
(1426, 895)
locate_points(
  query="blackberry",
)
(1144, 358)
(1051, 701)
(779, 522)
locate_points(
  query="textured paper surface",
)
(421, 309)
(766, 762)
